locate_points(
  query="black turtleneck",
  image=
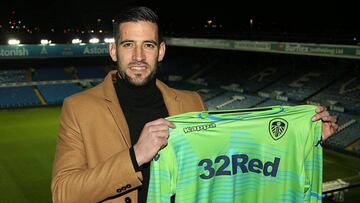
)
(140, 104)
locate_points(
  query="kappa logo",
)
(277, 128)
(199, 127)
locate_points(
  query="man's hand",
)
(329, 126)
(154, 136)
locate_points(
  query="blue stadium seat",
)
(56, 93)
(18, 97)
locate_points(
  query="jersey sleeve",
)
(313, 164)
(163, 176)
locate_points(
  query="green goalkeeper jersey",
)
(270, 154)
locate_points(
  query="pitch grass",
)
(345, 167)
(27, 147)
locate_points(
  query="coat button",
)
(128, 200)
(119, 190)
(128, 186)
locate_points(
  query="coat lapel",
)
(172, 102)
(112, 102)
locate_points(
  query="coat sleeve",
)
(73, 180)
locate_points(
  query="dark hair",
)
(135, 14)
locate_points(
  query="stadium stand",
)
(263, 77)
(344, 95)
(347, 133)
(273, 102)
(181, 84)
(281, 82)
(45, 74)
(90, 72)
(13, 76)
(183, 68)
(56, 93)
(45, 86)
(233, 100)
(302, 83)
(357, 149)
(210, 93)
(224, 79)
(18, 97)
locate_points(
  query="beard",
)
(132, 81)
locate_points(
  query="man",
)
(108, 134)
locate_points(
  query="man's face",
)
(138, 51)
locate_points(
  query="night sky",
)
(298, 17)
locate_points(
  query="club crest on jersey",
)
(277, 128)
